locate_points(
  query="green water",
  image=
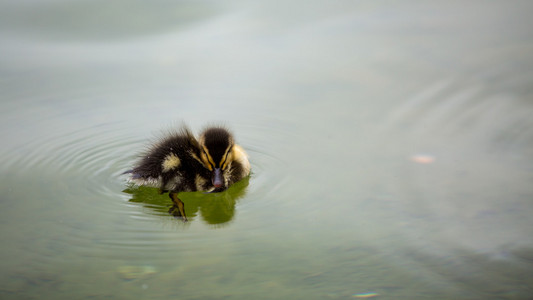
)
(391, 147)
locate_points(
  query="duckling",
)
(182, 163)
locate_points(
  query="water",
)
(391, 147)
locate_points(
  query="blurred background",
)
(391, 145)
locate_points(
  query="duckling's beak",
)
(217, 179)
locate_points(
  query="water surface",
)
(391, 146)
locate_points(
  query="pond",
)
(391, 146)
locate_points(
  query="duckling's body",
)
(181, 163)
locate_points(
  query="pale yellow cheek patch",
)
(200, 182)
(240, 155)
(170, 162)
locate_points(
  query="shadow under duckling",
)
(182, 163)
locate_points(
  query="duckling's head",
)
(217, 154)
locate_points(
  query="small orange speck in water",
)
(423, 158)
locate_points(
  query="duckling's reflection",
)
(215, 208)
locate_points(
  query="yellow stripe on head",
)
(227, 158)
(207, 159)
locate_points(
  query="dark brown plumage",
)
(180, 162)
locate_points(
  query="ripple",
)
(80, 166)
(459, 108)
(270, 170)
(81, 173)
(478, 142)
(90, 152)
